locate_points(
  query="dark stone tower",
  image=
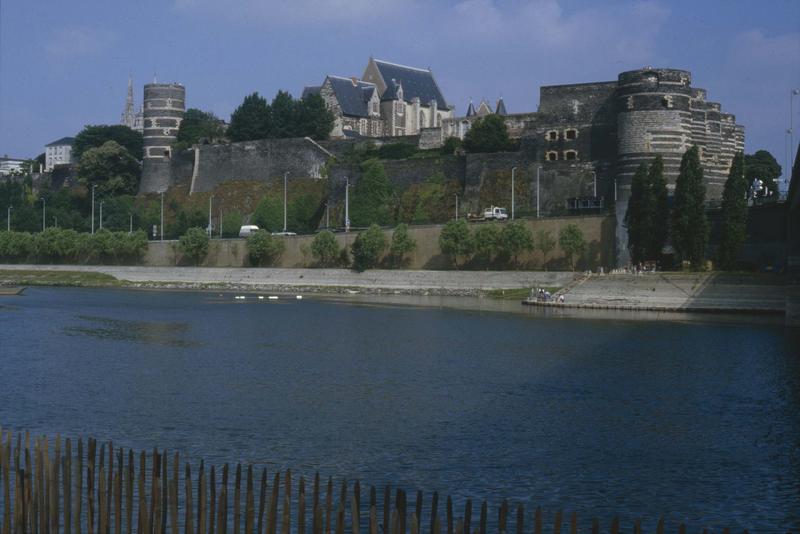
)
(164, 106)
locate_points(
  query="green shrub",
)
(368, 248)
(450, 146)
(456, 241)
(571, 241)
(264, 248)
(15, 246)
(516, 238)
(487, 241)
(194, 245)
(325, 249)
(231, 223)
(397, 151)
(402, 244)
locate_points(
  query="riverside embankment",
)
(682, 292)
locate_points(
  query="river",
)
(698, 420)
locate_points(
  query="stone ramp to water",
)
(681, 291)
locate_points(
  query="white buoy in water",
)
(239, 297)
(261, 297)
(273, 297)
(299, 297)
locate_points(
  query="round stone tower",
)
(164, 106)
(654, 117)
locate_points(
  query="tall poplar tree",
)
(638, 218)
(251, 120)
(689, 224)
(734, 215)
(659, 210)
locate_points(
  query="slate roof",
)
(470, 109)
(353, 95)
(63, 141)
(417, 83)
(501, 107)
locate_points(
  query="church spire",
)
(129, 115)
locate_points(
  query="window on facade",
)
(421, 119)
(551, 156)
(571, 134)
(570, 155)
(552, 135)
(668, 101)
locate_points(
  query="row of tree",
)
(57, 245)
(652, 224)
(491, 244)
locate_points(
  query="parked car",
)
(247, 230)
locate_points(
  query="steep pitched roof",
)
(501, 107)
(417, 83)
(393, 88)
(353, 95)
(470, 109)
(63, 141)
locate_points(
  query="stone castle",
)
(583, 144)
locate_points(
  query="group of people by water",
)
(542, 295)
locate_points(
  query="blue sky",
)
(66, 64)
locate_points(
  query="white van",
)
(247, 230)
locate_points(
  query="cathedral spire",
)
(129, 115)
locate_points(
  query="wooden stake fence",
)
(44, 492)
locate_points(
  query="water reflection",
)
(171, 334)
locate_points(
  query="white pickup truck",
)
(499, 214)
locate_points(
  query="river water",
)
(695, 420)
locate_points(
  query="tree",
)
(689, 224)
(733, 218)
(659, 229)
(763, 166)
(231, 223)
(571, 241)
(456, 241)
(197, 125)
(368, 248)
(268, 214)
(264, 248)
(314, 118)
(194, 244)
(111, 168)
(516, 238)
(451, 144)
(325, 249)
(545, 242)
(285, 116)
(487, 134)
(402, 244)
(639, 215)
(487, 242)
(251, 120)
(371, 198)
(98, 135)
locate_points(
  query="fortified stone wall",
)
(597, 231)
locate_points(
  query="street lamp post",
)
(162, 216)
(347, 205)
(220, 222)
(538, 172)
(130, 222)
(513, 172)
(327, 215)
(285, 179)
(44, 210)
(209, 214)
(101, 213)
(456, 206)
(594, 184)
(8, 218)
(93, 188)
(615, 190)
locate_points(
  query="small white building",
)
(10, 166)
(58, 153)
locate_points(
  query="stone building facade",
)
(389, 100)
(58, 152)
